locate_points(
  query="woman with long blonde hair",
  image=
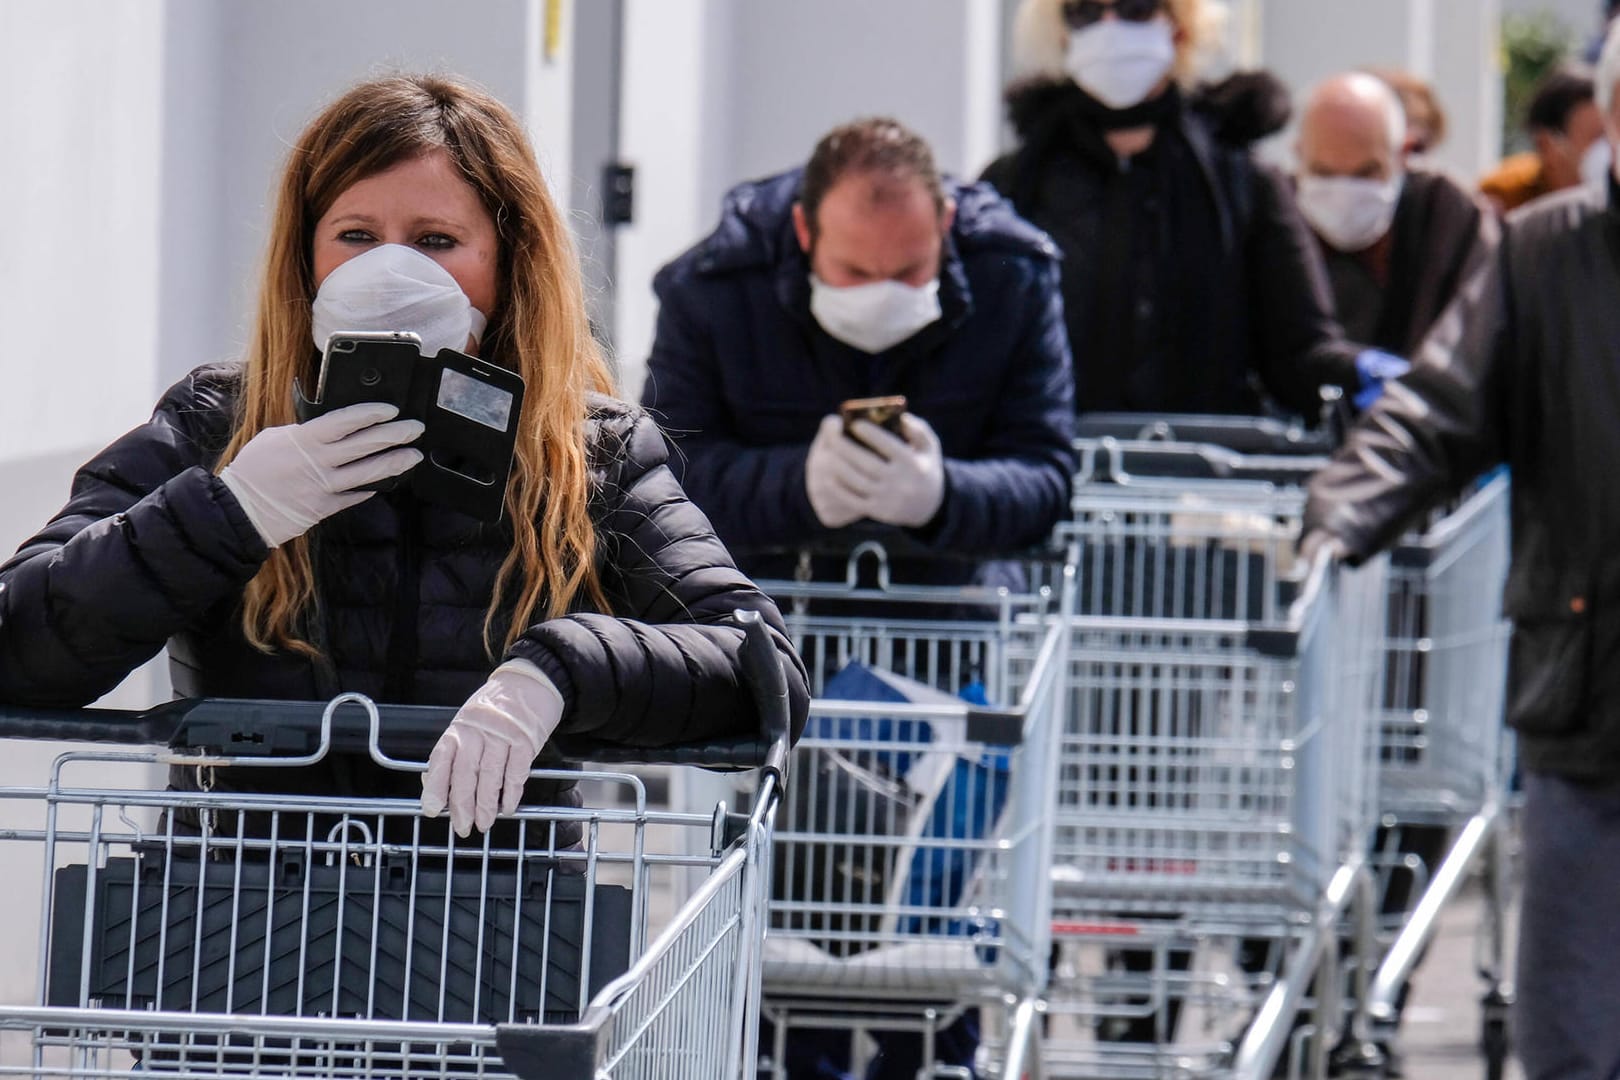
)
(256, 548)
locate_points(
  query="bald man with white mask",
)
(1398, 240)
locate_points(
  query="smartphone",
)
(885, 412)
(363, 366)
(469, 408)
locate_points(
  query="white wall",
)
(1452, 43)
(81, 116)
(82, 123)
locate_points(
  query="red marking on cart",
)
(1075, 929)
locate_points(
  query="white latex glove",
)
(289, 478)
(839, 474)
(481, 762)
(909, 483)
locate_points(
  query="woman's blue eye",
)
(354, 236)
(436, 241)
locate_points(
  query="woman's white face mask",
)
(1350, 212)
(877, 316)
(394, 287)
(1119, 62)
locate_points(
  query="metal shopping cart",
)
(239, 935)
(1217, 781)
(911, 851)
(1444, 751)
(1445, 757)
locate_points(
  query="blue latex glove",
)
(1374, 367)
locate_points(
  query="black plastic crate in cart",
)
(313, 938)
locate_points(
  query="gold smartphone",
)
(885, 412)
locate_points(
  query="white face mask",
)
(874, 317)
(1596, 164)
(1120, 62)
(393, 287)
(1350, 213)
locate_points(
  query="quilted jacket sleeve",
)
(149, 540)
(1015, 487)
(664, 666)
(755, 495)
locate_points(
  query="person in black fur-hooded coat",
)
(1190, 282)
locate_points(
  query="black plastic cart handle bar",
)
(259, 728)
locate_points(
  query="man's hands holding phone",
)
(290, 478)
(857, 470)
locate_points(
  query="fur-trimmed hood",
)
(1239, 110)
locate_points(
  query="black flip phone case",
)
(470, 409)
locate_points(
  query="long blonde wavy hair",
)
(1040, 37)
(539, 329)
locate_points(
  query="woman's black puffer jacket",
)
(152, 550)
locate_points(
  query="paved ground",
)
(1441, 1036)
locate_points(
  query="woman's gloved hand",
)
(289, 478)
(481, 762)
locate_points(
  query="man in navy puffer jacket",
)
(866, 274)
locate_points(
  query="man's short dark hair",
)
(1559, 95)
(875, 145)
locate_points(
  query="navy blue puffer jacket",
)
(741, 375)
(152, 550)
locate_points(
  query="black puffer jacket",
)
(1523, 369)
(153, 549)
(1190, 280)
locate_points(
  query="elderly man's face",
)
(873, 227)
(1342, 139)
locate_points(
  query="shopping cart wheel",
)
(1357, 1058)
(1493, 1041)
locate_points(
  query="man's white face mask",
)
(1349, 212)
(874, 317)
(1119, 62)
(394, 287)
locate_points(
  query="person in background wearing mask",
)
(1398, 240)
(248, 544)
(866, 274)
(1521, 372)
(1566, 127)
(1190, 284)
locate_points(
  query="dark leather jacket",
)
(1525, 370)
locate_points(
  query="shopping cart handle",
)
(264, 728)
(762, 667)
(232, 726)
(152, 727)
(241, 728)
